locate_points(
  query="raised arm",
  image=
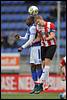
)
(25, 37)
(31, 38)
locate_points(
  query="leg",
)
(47, 55)
(62, 95)
(45, 74)
(33, 71)
(34, 76)
(39, 70)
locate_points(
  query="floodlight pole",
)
(58, 30)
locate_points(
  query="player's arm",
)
(38, 38)
(31, 38)
(25, 37)
(27, 43)
(17, 36)
(51, 36)
(51, 32)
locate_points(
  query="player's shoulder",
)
(64, 58)
(33, 27)
(52, 25)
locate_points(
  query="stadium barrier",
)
(24, 83)
(10, 61)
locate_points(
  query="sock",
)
(45, 74)
(64, 94)
(36, 84)
(39, 72)
(34, 73)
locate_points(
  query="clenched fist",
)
(17, 36)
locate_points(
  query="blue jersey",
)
(32, 31)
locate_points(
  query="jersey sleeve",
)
(32, 30)
(52, 27)
(63, 61)
(31, 38)
(25, 37)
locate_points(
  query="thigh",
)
(35, 55)
(43, 53)
(50, 51)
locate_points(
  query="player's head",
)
(30, 20)
(38, 19)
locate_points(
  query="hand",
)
(60, 65)
(44, 37)
(17, 37)
(20, 49)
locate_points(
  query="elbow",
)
(52, 34)
(31, 40)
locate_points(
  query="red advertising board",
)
(10, 61)
(24, 83)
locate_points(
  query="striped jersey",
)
(63, 61)
(45, 31)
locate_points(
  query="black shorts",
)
(48, 52)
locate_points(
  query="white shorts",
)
(35, 55)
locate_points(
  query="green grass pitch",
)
(29, 96)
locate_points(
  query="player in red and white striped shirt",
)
(47, 30)
(62, 64)
(46, 33)
(63, 61)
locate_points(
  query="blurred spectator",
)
(2, 40)
(8, 41)
(29, 3)
(53, 15)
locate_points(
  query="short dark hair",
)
(30, 20)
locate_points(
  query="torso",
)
(45, 31)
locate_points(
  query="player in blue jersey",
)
(35, 50)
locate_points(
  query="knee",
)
(33, 67)
(47, 62)
(43, 63)
(38, 66)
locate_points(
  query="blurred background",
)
(13, 17)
